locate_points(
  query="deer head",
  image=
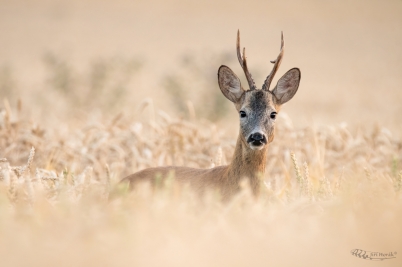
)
(258, 107)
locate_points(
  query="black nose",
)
(257, 139)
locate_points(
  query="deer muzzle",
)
(257, 140)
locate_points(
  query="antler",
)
(276, 63)
(243, 63)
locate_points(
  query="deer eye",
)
(273, 115)
(242, 114)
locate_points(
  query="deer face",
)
(257, 114)
(257, 107)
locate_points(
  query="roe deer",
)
(257, 111)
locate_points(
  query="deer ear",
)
(287, 86)
(229, 84)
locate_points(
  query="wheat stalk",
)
(299, 176)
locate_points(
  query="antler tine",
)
(243, 62)
(276, 63)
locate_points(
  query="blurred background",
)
(91, 91)
(66, 59)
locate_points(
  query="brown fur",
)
(248, 162)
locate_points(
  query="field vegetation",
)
(327, 190)
(73, 127)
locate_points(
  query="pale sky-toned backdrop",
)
(349, 52)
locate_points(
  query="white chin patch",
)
(253, 147)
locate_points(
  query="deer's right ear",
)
(229, 84)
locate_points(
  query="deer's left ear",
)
(287, 86)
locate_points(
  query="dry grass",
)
(54, 207)
(91, 91)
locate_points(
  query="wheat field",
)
(91, 91)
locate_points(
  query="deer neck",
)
(247, 163)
